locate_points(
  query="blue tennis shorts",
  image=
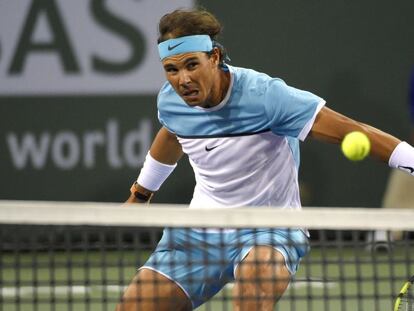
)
(201, 262)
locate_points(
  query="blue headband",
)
(187, 44)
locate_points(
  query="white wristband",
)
(154, 173)
(403, 158)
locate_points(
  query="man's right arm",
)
(161, 160)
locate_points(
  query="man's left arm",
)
(331, 126)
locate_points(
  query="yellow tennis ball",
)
(356, 146)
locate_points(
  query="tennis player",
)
(241, 130)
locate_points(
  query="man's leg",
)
(261, 279)
(150, 291)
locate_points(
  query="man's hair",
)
(187, 22)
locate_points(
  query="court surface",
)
(75, 281)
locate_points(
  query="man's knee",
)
(263, 272)
(150, 290)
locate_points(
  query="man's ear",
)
(215, 56)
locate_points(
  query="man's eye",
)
(171, 70)
(192, 65)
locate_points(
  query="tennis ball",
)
(356, 146)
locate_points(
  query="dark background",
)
(356, 55)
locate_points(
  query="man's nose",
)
(184, 77)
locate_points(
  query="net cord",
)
(162, 215)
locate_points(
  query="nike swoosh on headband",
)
(174, 46)
(193, 43)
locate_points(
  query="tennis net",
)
(82, 256)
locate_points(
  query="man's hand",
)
(132, 199)
(139, 194)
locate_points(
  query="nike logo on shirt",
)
(211, 148)
(172, 47)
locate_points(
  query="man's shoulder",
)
(166, 95)
(166, 89)
(250, 81)
(247, 73)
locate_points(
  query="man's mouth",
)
(190, 93)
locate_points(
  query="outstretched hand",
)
(132, 199)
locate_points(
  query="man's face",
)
(192, 76)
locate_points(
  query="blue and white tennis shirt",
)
(245, 150)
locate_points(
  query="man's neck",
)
(221, 89)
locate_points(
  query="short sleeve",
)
(162, 104)
(290, 110)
